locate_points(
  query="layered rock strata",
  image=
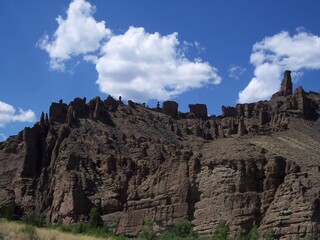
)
(256, 164)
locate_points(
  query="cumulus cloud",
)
(139, 66)
(8, 114)
(136, 65)
(236, 72)
(78, 34)
(275, 54)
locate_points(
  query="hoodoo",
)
(286, 85)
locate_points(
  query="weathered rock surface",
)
(170, 108)
(286, 85)
(199, 110)
(257, 164)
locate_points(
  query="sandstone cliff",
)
(256, 164)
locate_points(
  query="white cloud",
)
(199, 47)
(136, 65)
(236, 72)
(139, 66)
(296, 76)
(8, 114)
(91, 58)
(78, 34)
(275, 54)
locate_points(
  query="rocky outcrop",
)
(286, 85)
(199, 110)
(257, 164)
(170, 108)
(229, 111)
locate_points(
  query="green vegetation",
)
(7, 213)
(309, 237)
(96, 228)
(147, 231)
(31, 231)
(269, 234)
(1, 234)
(182, 230)
(35, 219)
(222, 231)
(95, 219)
(87, 229)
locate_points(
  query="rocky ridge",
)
(256, 164)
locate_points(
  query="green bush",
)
(31, 231)
(78, 228)
(102, 231)
(35, 219)
(65, 228)
(147, 231)
(86, 228)
(2, 235)
(268, 235)
(222, 231)
(309, 237)
(7, 213)
(253, 234)
(183, 229)
(95, 219)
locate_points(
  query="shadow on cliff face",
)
(193, 191)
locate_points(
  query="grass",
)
(19, 231)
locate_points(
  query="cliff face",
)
(257, 164)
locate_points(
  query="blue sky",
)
(212, 52)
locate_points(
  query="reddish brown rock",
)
(134, 162)
(286, 85)
(170, 108)
(199, 110)
(229, 111)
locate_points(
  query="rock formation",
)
(286, 85)
(229, 111)
(170, 108)
(199, 110)
(257, 164)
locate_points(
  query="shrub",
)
(102, 231)
(309, 237)
(7, 213)
(31, 231)
(35, 219)
(95, 219)
(1, 234)
(268, 235)
(183, 229)
(78, 228)
(147, 231)
(253, 234)
(65, 228)
(222, 231)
